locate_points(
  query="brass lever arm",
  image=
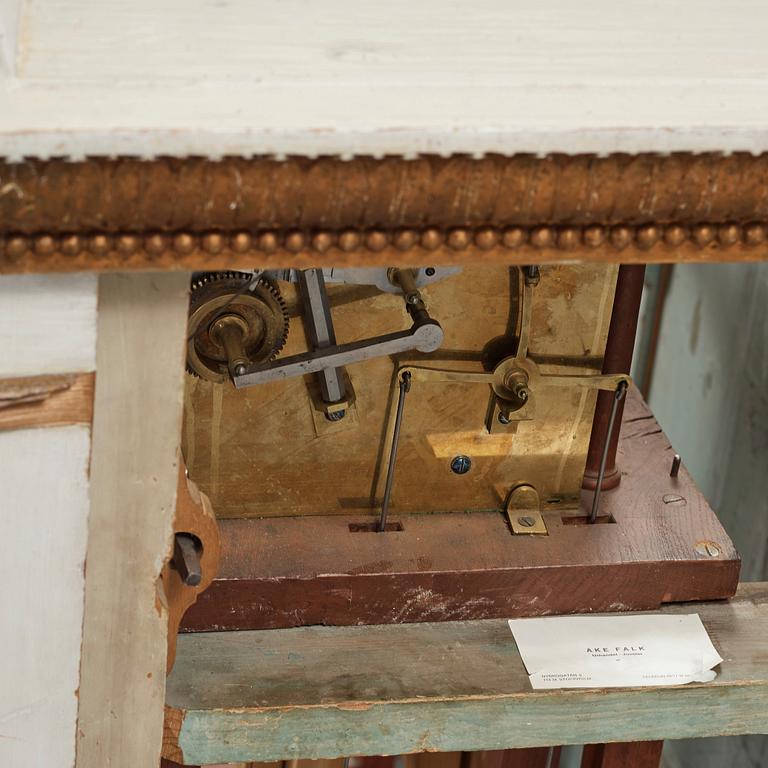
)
(499, 376)
(606, 381)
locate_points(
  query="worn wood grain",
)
(325, 692)
(44, 401)
(134, 472)
(314, 570)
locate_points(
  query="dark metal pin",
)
(405, 385)
(676, 461)
(621, 390)
(186, 558)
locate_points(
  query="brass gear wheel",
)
(234, 320)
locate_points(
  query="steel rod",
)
(405, 385)
(621, 390)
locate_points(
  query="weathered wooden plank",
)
(43, 530)
(134, 472)
(323, 692)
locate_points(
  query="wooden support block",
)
(321, 692)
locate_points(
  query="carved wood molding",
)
(200, 214)
(647, 244)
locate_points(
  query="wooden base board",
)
(321, 692)
(665, 545)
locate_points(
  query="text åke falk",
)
(617, 649)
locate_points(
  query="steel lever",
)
(424, 336)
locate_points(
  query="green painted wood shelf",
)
(323, 692)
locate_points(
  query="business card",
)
(615, 651)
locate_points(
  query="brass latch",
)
(524, 511)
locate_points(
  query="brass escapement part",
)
(235, 322)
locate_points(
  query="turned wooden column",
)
(617, 359)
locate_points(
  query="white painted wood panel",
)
(486, 43)
(10, 11)
(47, 324)
(216, 77)
(43, 530)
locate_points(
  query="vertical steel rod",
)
(618, 396)
(405, 385)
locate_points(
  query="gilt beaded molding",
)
(243, 213)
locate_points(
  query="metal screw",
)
(504, 418)
(335, 415)
(708, 549)
(239, 370)
(675, 465)
(429, 271)
(461, 464)
(527, 521)
(413, 298)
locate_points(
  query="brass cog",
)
(233, 320)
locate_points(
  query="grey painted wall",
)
(709, 391)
